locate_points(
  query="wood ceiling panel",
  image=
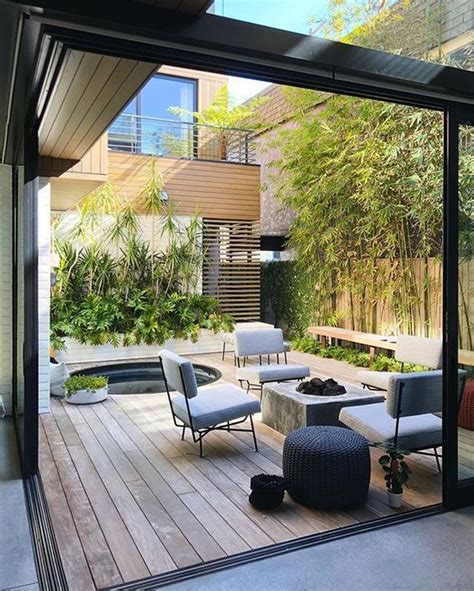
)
(89, 93)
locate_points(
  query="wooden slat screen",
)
(231, 271)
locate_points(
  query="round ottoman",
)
(326, 467)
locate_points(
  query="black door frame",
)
(28, 422)
(456, 493)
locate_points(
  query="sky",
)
(291, 15)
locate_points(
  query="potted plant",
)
(268, 491)
(397, 473)
(81, 389)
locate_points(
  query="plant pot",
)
(395, 499)
(267, 491)
(88, 396)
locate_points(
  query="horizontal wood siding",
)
(217, 190)
(93, 165)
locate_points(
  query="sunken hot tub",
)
(144, 377)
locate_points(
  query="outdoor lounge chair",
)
(228, 338)
(406, 418)
(265, 342)
(222, 407)
(408, 349)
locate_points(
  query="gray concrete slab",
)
(429, 554)
(17, 565)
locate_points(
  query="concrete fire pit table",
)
(284, 409)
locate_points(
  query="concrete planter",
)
(88, 396)
(208, 342)
(395, 500)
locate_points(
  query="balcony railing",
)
(179, 139)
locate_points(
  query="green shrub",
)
(306, 344)
(385, 363)
(382, 362)
(83, 382)
(116, 288)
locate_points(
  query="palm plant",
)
(225, 120)
(113, 286)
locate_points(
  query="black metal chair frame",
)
(259, 387)
(420, 451)
(374, 388)
(199, 434)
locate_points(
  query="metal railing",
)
(179, 139)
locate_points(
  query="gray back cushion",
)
(422, 392)
(179, 373)
(265, 341)
(421, 351)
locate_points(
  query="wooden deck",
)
(128, 498)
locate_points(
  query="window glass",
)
(163, 92)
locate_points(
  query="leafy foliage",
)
(224, 118)
(113, 286)
(406, 27)
(382, 362)
(397, 471)
(83, 382)
(365, 180)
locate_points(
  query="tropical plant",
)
(84, 382)
(406, 27)
(397, 471)
(113, 286)
(224, 120)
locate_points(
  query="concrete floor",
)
(17, 565)
(430, 554)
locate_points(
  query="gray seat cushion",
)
(259, 374)
(216, 405)
(376, 379)
(373, 422)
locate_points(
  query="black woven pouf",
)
(326, 467)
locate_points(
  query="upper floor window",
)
(147, 126)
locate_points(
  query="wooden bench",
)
(371, 340)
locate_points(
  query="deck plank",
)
(75, 563)
(121, 544)
(99, 558)
(128, 497)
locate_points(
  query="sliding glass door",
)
(25, 308)
(459, 312)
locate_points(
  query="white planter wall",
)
(44, 286)
(208, 342)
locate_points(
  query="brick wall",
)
(457, 18)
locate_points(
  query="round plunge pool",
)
(143, 377)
